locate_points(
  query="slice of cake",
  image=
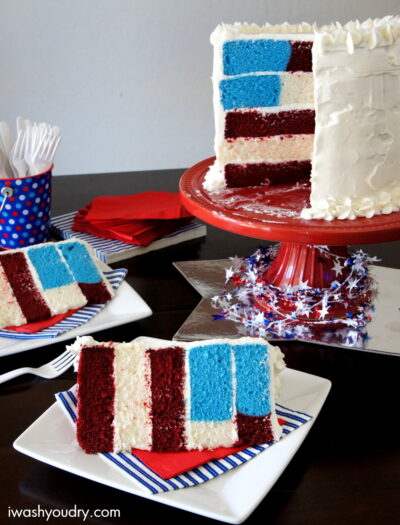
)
(173, 396)
(41, 281)
(274, 84)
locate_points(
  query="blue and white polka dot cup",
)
(25, 210)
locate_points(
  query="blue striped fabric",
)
(138, 471)
(107, 250)
(82, 316)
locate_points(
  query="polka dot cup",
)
(25, 210)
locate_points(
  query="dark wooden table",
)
(346, 471)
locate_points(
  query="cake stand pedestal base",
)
(207, 277)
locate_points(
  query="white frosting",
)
(85, 341)
(371, 34)
(214, 179)
(356, 157)
(244, 31)
(384, 28)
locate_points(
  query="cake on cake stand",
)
(274, 214)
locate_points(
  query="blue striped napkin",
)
(82, 316)
(111, 250)
(136, 469)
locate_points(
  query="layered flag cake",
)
(298, 102)
(173, 396)
(41, 281)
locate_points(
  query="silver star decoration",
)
(338, 268)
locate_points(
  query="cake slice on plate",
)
(48, 279)
(174, 396)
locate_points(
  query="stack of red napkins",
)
(137, 219)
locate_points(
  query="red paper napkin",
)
(138, 219)
(32, 328)
(168, 465)
(146, 205)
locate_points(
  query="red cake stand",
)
(273, 213)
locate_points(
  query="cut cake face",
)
(173, 396)
(294, 102)
(48, 279)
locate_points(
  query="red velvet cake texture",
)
(95, 431)
(254, 124)
(16, 268)
(167, 397)
(268, 174)
(254, 429)
(95, 293)
(301, 57)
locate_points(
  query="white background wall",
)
(128, 81)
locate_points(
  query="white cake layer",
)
(132, 402)
(10, 311)
(277, 148)
(356, 158)
(210, 434)
(64, 298)
(296, 88)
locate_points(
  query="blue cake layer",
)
(247, 56)
(51, 269)
(81, 265)
(250, 91)
(252, 379)
(211, 395)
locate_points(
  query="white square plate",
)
(51, 439)
(125, 307)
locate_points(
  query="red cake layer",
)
(17, 271)
(254, 124)
(167, 399)
(254, 430)
(95, 293)
(95, 430)
(301, 57)
(263, 173)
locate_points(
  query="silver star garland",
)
(312, 308)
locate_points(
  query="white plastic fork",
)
(17, 156)
(40, 147)
(52, 369)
